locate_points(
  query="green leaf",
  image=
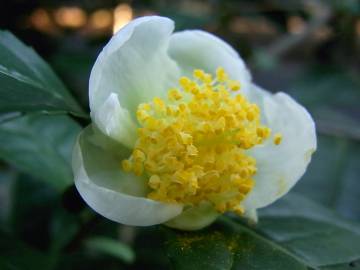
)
(64, 227)
(350, 7)
(332, 177)
(111, 247)
(310, 231)
(332, 95)
(355, 265)
(40, 145)
(31, 210)
(15, 255)
(27, 83)
(7, 178)
(148, 246)
(227, 245)
(292, 234)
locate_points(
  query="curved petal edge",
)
(281, 166)
(116, 206)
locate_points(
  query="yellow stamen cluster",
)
(192, 145)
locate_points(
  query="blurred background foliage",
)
(308, 48)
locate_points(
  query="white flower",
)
(203, 150)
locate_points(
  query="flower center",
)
(192, 145)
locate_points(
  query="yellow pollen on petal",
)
(221, 75)
(234, 85)
(192, 146)
(277, 138)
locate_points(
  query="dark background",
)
(310, 49)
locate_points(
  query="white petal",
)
(134, 64)
(251, 215)
(197, 49)
(112, 193)
(280, 166)
(194, 218)
(115, 121)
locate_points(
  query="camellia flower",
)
(180, 133)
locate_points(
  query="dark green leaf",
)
(7, 178)
(31, 209)
(27, 83)
(332, 177)
(40, 145)
(311, 232)
(15, 255)
(350, 6)
(227, 245)
(332, 97)
(148, 246)
(355, 265)
(64, 228)
(111, 247)
(295, 233)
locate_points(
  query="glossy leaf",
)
(316, 88)
(355, 265)
(332, 97)
(311, 232)
(111, 247)
(40, 145)
(332, 177)
(292, 234)
(227, 245)
(27, 83)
